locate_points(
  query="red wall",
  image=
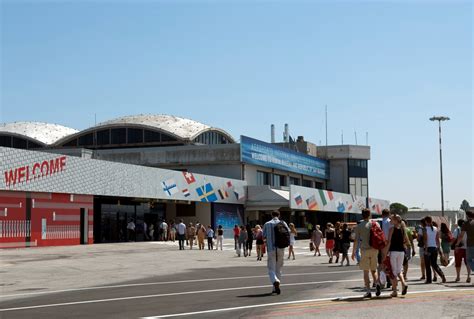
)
(61, 213)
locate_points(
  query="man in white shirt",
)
(131, 230)
(275, 255)
(181, 234)
(164, 230)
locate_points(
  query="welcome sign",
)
(259, 153)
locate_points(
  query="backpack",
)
(377, 237)
(282, 235)
(421, 240)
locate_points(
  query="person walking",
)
(172, 231)
(446, 240)
(164, 230)
(293, 234)
(191, 235)
(421, 248)
(432, 247)
(243, 236)
(151, 232)
(468, 229)
(345, 244)
(201, 236)
(273, 233)
(236, 237)
(316, 238)
(396, 245)
(337, 241)
(386, 226)
(330, 235)
(131, 230)
(181, 234)
(249, 242)
(409, 251)
(210, 238)
(368, 261)
(258, 234)
(220, 237)
(460, 252)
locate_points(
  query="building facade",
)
(306, 183)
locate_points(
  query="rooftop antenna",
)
(367, 138)
(273, 133)
(355, 134)
(95, 119)
(342, 137)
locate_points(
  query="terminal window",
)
(263, 178)
(278, 180)
(358, 186)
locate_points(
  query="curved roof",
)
(181, 128)
(43, 133)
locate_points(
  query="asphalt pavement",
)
(155, 280)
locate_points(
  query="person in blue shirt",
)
(275, 255)
(210, 238)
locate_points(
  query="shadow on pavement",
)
(354, 299)
(256, 295)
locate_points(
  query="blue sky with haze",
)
(381, 67)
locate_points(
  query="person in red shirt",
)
(236, 237)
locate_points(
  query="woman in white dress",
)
(293, 234)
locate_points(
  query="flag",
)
(186, 192)
(206, 193)
(223, 193)
(298, 199)
(169, 187)
(330, 195)
(189, 177)
(239, 194)
(341, 208)
(312, 203)
(323, 197)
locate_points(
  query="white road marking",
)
(286, 303)
(173, 294)
(176, 282)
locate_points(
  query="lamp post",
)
(440, 119)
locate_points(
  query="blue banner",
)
(259, 153)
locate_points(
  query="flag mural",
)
(305, 198)
(186, 192)
(189, 177)
(326, 196)
(223, 194)
(312, 203)
(378, 205)
(298, 199)
(170, 187)
(206, 193)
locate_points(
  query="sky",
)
(383, 68)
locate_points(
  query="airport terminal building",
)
(62, 186)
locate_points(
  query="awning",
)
(266, 198)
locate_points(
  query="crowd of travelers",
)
(386, 249)
(381, 248)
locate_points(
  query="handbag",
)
(443, 260)
(311, 246)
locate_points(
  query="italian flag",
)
(326, 196)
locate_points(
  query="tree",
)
(398, 208)
(465, 205)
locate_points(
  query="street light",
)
(440, 119)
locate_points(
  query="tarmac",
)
(156, 280)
